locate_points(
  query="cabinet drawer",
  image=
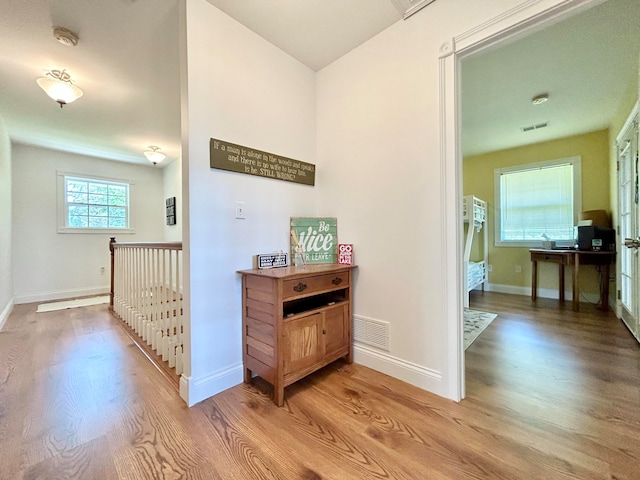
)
(302, 287)
(563, 258)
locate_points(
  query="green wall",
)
(478, 170)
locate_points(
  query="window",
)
(90, 205)
(537, 201)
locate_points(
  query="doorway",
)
(504, 30)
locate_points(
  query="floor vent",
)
(537, 126)
(371, 332)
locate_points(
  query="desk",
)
(575, 258)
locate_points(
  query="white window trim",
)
(62, 205)
(576, 161)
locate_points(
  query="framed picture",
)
(170, 206)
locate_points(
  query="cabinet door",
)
(302, 343)
(336, 330)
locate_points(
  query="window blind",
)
(537, 202)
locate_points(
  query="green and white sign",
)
(317, 239)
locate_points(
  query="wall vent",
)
(537, 126)
(371, 332)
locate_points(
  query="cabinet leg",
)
(278, 395)
(349, 357)
(247, 375)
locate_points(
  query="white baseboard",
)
(412, 373)
(5, 313)
(61, 294)
(194, 390)
(511, 289)
(542, 292)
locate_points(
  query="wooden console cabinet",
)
(295, 320)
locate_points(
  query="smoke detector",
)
(540, 99)
(65, 36)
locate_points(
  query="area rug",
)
(81, 302)
(474, 323)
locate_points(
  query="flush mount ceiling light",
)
(153, 155)
(57, 84)
(65, 36)
(540, 99)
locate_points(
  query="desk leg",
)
(561, 281)
(576, 282)
(534, 280)
(604, 305)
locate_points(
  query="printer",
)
(594, 232)
(595, 238)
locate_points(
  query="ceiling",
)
(127, 64)
(585, 63)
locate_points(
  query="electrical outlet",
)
(102, 270)
(489, 268)
(240, 210)
(518, 268)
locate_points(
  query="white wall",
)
(51, 265)
(243, 90)
(6, 267)
(172, 178)
(380, 149)
(388, 168)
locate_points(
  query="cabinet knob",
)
(324, 332)
(300, 287)
(336, 281)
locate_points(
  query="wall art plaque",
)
(237, 158)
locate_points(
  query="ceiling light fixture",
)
(153, 155)
(540, 99)
(65, 36)
(57, 84)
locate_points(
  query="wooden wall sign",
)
(318, 238)
(236, 158)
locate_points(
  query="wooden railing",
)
(146, 293)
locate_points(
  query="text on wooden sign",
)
(240, 159)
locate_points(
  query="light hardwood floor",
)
(550, 394)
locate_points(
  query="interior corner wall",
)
(243, 90)
(6, 249)
(49, 265)
(172, 178)
(379, 149)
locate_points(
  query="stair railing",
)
(146, 293)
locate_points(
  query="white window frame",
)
(62, 206)
(576, 161)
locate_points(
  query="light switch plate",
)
(240, 210)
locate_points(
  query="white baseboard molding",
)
(511, 289)
(412, 373)
(5, 313)
(194, 390)
(61, 294)
(542, 292)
